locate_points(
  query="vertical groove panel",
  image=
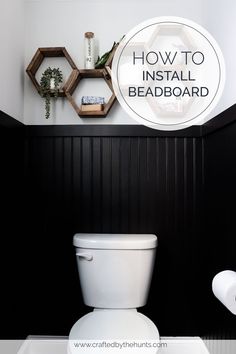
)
(124, 183)
(143, 185)
(194, 199)
(76, 192)
(134, 185)
(106, 185)
(115, 178)
(151, 184)
(96, 208)
(162, 185)
(68, 173)
(86, 183)
(157, 221)
(176, 182)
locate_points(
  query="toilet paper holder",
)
(224, 288)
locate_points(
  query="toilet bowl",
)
(115, 273)
(113, 324)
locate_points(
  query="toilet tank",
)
(115, 270)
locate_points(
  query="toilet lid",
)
(114, 325)
(115, 241)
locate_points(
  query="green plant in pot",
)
(49, 87)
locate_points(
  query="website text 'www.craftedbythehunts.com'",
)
(120, 344)
(167, 345)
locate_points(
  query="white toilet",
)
(115, 272)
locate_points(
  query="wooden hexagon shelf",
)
(76, 77)
(38, 58)
(108, 64)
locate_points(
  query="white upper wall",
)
(12, 57)
(220, 21)
(27, 25)
(63, 23)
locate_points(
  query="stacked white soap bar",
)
(92, 100)
(92, 103)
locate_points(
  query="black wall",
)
(12, 244)
(220, 218)
(128, 180)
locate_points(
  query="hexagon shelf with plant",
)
(75, 80)
(49, 52)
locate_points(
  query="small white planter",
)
(52, 84)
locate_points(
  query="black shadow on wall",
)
(119, 179)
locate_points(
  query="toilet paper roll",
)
(224, 288)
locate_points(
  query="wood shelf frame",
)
(49, 52)
(75, 79)
(108, 64)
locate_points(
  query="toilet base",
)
(114, 324)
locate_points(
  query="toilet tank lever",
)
(85, 255)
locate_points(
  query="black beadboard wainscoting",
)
(115, 184)
(220, 220)
(121, 179)
(13, 240)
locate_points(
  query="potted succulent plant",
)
(49, 87)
